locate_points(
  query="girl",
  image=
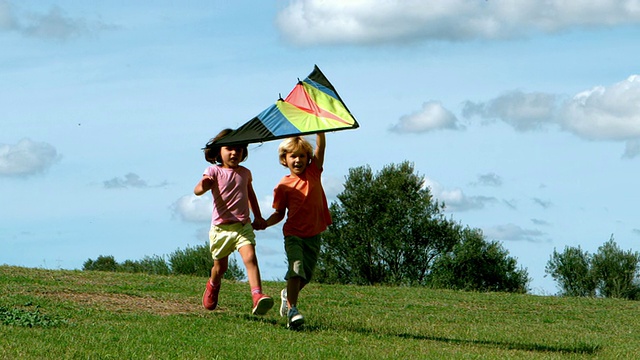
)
(231, 228)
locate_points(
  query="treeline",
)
(195, 261)
(389, 230)
(610, 272)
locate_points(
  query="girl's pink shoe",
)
(261, 304)
(210, 296)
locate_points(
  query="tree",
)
(571, 269)
(611, 272)
(475, 264)
(387, 229)
(616, 271)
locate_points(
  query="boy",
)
(300, 195)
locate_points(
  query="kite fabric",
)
(313, 106)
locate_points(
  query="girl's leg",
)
(219, 268)
(210, 296)
(248, 254)
(261, 302)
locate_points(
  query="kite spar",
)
(313, 106)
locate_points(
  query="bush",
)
(191, 261)
(155, 265)
(198, 261)
(102, 263)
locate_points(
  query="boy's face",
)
(297, 161)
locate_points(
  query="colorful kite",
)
(313, 106)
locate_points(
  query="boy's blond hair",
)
(294, 144)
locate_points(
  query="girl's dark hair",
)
(212, 150)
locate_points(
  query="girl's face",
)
(297, 161)
(231, 156)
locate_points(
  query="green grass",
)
(59, 314)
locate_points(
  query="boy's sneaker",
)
(261, 304)
(283, 303)
(295, 318)
(210, 296)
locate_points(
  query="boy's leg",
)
(302, 256)
(293, 289)
(295, 319)
(295, 277)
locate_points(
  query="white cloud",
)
(129, 180)
(605, 113)
(7, 19)
(55, 24)
(266, 205)
(26, 158)
(523, 111)
(332, 187)
(545, 204)
(512, 232)
(455, 199)
(489, 179)
(632, 149)
(433, 116)
(192, 208)
(309, 22)
(540, 222)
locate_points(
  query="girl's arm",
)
(318, 154)
(203, 185)
(258, 221)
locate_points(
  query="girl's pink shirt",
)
(230, 194)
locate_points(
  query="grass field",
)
(58, 314)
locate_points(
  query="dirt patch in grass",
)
(129, 303)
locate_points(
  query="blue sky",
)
(523, 118)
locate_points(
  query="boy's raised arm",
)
(318, 154)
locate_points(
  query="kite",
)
(313, 106)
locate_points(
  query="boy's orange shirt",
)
(305, 202)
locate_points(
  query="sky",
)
(523, 117)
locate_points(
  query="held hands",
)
(259, 223)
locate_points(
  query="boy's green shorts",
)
(302, 256)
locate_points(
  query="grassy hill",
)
(57, 314)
